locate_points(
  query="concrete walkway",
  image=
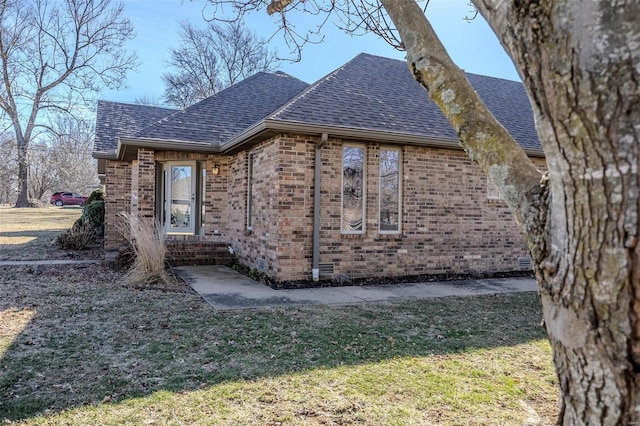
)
(226, 289)
(47, 262)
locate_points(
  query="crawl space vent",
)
(326, 268)
(524, 262)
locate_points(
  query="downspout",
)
(315, 267)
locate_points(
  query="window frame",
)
(397, 149)
(364, 189)
(250, 179)
(493, 192)
(201, 191)
(166, 187)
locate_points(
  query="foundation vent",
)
(524, 262)
(326, 268)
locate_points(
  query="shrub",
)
(147, 241)
(93, 213)
(85, 229)
(96, 195)
(78, 237)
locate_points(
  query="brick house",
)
(356, 175)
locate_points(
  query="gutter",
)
(343, 132)
(315, 267)
(106, 155)
(175, 145)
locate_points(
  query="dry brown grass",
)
(30, 233)
(147, 241)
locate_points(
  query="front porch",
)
(182, 252)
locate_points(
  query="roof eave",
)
(162, 144)
(172, 144)
(106, 155)
(347, 133)
(338, 131)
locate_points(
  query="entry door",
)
(180, 198)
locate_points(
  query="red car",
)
(67, 199)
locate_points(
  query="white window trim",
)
(167, 195)
(364, 188)
(399, 150)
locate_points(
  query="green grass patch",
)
(84, 349)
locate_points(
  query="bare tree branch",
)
(69, 48)
(212, 58)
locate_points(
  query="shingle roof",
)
(115, 119)
(228, 112)
(509, 103)
(367, 93)
(376, 93)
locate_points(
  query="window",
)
(250, 192)
(203, 192)
(390, 190)
(493, 192)
(353, 190)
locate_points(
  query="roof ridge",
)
(312, 87)
(134, 104)
(493, 77)
(215, 95)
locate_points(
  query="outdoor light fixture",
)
(216, 169)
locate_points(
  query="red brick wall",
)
(131, 187)
(145, 189)
(448, 223)
(258, 247)
(117, 199)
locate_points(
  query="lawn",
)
(79, 346)
(29, 233)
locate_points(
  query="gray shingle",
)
(228, 112)
(114, 119)
(374, 93)
(508, 102)
(369, 92)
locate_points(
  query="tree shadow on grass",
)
(87, 338)
(27, 245)
(41, 245)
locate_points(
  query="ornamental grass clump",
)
(147, 242)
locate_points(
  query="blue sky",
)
(472, 45)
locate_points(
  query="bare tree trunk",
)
(580, 62)
(23, 176)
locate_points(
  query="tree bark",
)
(23, 176)
(482, 136)
(580, 64)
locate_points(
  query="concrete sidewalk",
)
(47, 262)
(226, 289)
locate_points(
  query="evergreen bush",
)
(93, 213)
(96, 195)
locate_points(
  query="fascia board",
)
(347, 133)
